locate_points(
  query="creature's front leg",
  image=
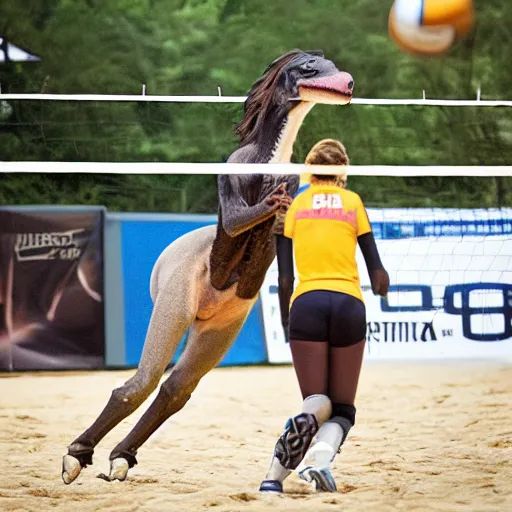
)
(260, 254)
(237, 216)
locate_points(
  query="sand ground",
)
(428, 437)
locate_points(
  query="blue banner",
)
(144, 237)
(389, 224)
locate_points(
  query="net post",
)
(183, 199)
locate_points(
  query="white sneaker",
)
(316, 467)
(320, 455)
(321, 478)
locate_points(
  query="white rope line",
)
(241, 99)
(124, 97)
(232, 168)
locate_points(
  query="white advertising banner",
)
(450, 293)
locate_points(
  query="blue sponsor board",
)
(388, 224)
(450, 286)
(144, 237)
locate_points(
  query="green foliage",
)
(192, 47)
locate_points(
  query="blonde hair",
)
(328, 152)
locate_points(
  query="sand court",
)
(428, 437)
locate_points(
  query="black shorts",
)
(322, 315)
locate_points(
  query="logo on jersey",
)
(328, 207)
(321, 201)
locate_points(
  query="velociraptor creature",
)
(208, 280)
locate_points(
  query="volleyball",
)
(429, 27)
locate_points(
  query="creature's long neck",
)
(283, 148)
(278, 134)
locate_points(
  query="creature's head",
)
(295, 77)
(311, 77)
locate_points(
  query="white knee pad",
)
(319, 405)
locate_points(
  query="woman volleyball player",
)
(327, 323)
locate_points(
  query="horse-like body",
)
(207, 281)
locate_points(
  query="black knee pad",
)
(345, 416)
(347, 411)
(295, 440)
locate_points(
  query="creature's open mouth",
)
(335, 89)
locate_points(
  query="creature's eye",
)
(308, 69)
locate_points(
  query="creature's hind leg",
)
(173, 312)
(207, 343)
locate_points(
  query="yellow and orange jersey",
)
(324, 222)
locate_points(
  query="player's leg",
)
(346, 351)
(309, 329)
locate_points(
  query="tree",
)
(193, 47)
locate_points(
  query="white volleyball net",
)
(442, 217)
(125, 136)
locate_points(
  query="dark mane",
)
(259, 99)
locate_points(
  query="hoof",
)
(71, 468)
(118, 470)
